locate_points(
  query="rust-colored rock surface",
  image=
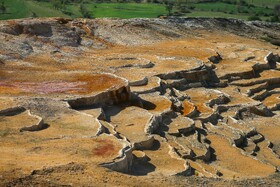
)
(138, 102)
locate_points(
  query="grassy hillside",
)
(30, 8)
(264, 3)
(220, 9)
(226, 8)
(25, 8)
(232, 8)
(43, 9)
(15, 9)
(126, 10)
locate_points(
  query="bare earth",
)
(139, 102)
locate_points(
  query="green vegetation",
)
(268, 10)
(21, 8)
(84, 11)
(126, 10)
(210, 14)
(241, 11)
(3, 8)
(233, 9)
(254, 18)
(263, 3)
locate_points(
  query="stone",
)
(138, 101)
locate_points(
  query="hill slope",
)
(225, 9)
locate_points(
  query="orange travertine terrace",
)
(139, 102)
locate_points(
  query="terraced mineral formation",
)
(139, 101)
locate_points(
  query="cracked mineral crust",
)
(138, 101)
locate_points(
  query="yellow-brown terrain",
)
(140, 102)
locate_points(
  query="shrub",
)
(3, 8)
(184, 9)
(277, 9)
(84, 11)
(275, 19)
(191, 7)
(254, 18)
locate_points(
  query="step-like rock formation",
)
(159, 98)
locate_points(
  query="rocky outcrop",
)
(181, 125)
(123, 162)
(153, 85)
(40, 125)
(142, 82)
(12, 111)
(163, 109)
(109, 96)
(215, 59)
(248, 111)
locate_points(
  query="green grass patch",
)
(126, 10)
(264, 3)
(209, 14)
(233, 9)
(32, 8)
(15, 9)
(215, 7)
(27, 8)
(43, 9)
(74, 9)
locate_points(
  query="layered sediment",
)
(149, 97)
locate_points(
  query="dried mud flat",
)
(139, 102)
